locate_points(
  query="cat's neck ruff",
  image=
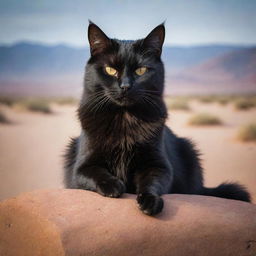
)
(121, 130)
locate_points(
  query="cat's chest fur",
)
(124, 133)
(119, 139)
(127, 130)
(119, 130)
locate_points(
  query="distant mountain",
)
(235, 65)
(179, 58)
(231, 72)
(28, 59)
(27, 68)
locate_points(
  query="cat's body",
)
(124, 145)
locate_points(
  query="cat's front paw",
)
(112, 187)
(149, 203)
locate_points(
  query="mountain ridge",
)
(33, 68)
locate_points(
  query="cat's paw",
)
(112, 187)
(150, 204)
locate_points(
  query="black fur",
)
(124, 145)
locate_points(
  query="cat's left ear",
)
(97, 39)
(155, 39)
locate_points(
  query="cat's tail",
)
(228, 190)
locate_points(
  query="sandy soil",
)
(31, 148)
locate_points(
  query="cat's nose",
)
(125, 85)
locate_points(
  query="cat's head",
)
(125, 72)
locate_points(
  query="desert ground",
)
(32, 145)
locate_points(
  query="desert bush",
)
(178, 104)
(3, 118)
(244, 103)
(37, 105)
(247, 133)
(66, 101)
(218, 98)
(207, 98)
(204, 119)
(223, 99)
(253, 99)
(8, 101)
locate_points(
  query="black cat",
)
(124, 145)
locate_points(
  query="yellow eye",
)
(111, 71)
(140, 71)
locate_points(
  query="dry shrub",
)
(177, 103)
(247, 133)
(3, 118)
(66, 101)
(244, 104)
(37, 105)
(204, 119)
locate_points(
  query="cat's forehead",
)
(126, 53)
(125, 49)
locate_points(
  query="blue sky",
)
(188, 22)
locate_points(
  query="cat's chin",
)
(122, 101)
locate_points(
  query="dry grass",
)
(36, 105)
(247, 133)
(3, 118)
(244, 103)
(177, 103)
(8, 101)
(36, 102)
(223, 100)
(65, 101)
(240, 101)
(204, 119)
(207, 98)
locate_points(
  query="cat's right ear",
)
(155, 39)
(97, 39)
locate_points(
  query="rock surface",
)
(77, 222)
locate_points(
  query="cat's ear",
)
(97, 39)
(155, 39)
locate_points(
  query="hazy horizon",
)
(188, 23)
(70, 45)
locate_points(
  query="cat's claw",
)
(150, 204)
(113, 187)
